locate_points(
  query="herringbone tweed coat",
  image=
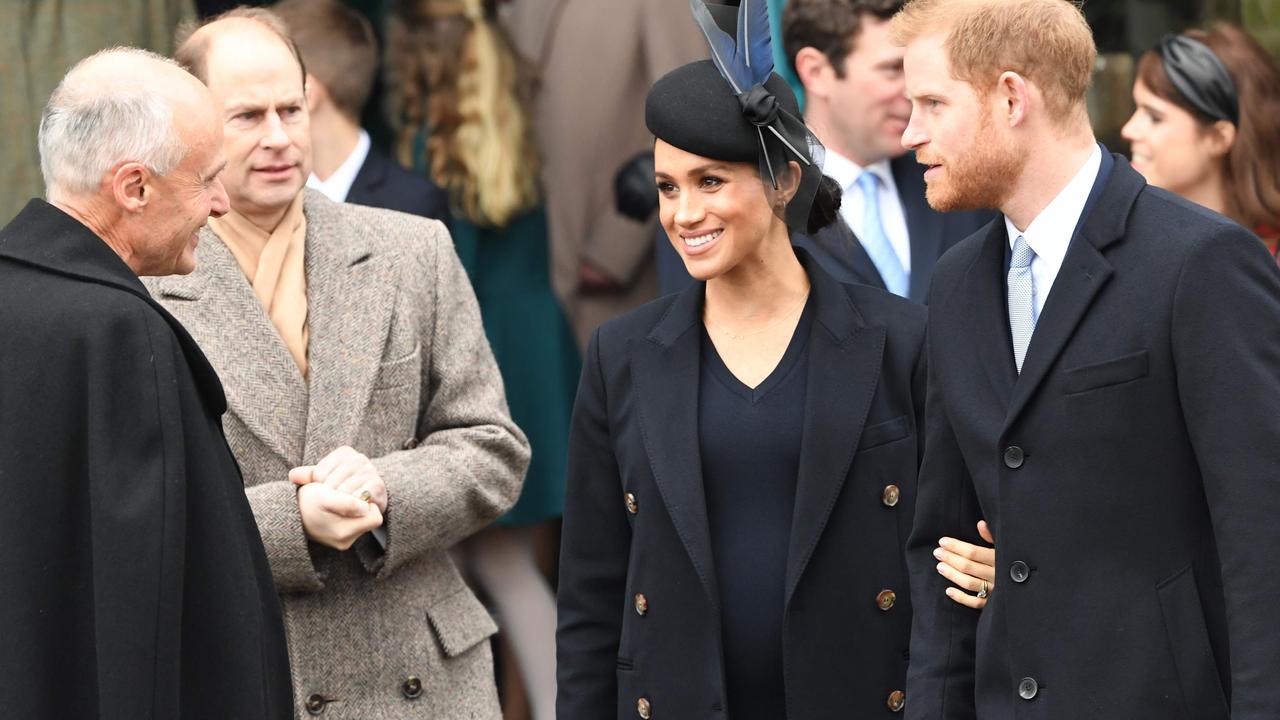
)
(401, 371)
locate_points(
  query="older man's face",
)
(184, 199)
(258, 84)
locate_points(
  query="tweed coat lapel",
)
(264, 387)
(350, 295)
(844, 370)
(666, 366)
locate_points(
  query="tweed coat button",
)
(633, 506)
(1014, 457)
(897, 701)
(412, 688)
(890, 495)
(642, 604)
(643, 709)
(1028, 688)
(1019, 571)
(315, 704)
(410, 444)
(886, 599)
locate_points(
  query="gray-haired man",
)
(136, 586)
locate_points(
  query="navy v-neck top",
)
(750, 444)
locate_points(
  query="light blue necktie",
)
(1022, 299)
(876, 242)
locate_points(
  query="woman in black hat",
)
(743, 455)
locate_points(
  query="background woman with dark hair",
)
(460, 94)
(1207, 125)
(743, 454)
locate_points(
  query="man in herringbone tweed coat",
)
(394, 373)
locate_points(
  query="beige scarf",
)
(273, 263)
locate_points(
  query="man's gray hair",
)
(90, 126)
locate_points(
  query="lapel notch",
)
(666, 367)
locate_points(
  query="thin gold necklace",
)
(734, 336)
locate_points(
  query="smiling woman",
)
(743, 454)
(1207, 125)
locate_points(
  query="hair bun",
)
(826, 205)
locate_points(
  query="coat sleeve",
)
(471, 458)
(1226, 345)
(940, 679)
(594, 551)
(275, 508)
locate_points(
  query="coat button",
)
(410, 444)
(890, 495)
(643, 709)
(1019, 571)
(315, 704)
(1028, 688)
(642, 604)
(886, 599)
(897, 701)
(412, 687)
(1014, 457)
(633, 507)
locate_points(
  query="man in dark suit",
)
(855, 103)
(1104, 389)
(132, 564)
(340, 52)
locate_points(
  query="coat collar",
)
(44, 236)
(1085, 271)
(350, 293)
(843, 371)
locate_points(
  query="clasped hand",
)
(340, 498)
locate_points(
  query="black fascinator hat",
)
(734, 108)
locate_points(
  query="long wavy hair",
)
(1253, 164)
(454, 78)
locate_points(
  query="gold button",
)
(642, 604)
(633, 507)
(410, 444)
(886, 599)
(897, 701)
(643, 709)
(890, 495)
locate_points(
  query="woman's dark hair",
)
(826, 205)
(1253, 183)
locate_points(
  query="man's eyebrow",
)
(221, 166)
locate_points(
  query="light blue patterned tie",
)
(1022, 299)
(876, 242)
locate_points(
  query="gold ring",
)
(983, 592)
(367, 496)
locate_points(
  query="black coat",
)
(1131, 475)
(383, 184)
(634, 442)
(930, 233)
(135, 584)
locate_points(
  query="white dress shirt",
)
(339, 183)
(1050, 232)
(853, 205)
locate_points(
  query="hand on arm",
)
(340, 498)
(970, 567)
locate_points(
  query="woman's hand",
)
(971, 567)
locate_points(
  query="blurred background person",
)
(340, 52)
(888, 236)
(460, 94)
(1207, 124)
(595, 60)
(41, 41)
(364, 405)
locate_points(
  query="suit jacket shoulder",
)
(382, 183)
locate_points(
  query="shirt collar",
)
(1050, 233)
(846, 172)
(339, 183)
